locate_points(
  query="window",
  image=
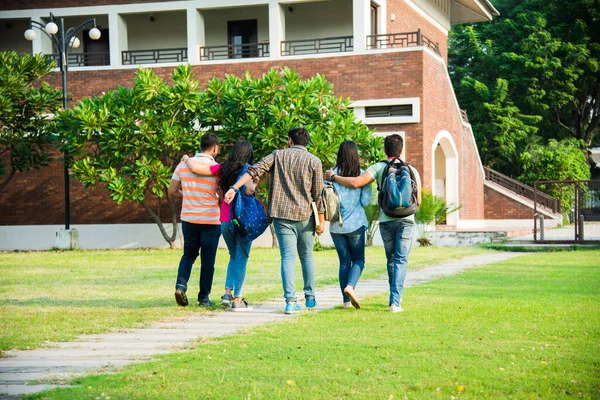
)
(403, 110)
(374, 15)
(243, 36)
(388, 111)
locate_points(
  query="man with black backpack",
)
(399, 187)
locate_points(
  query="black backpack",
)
(398, 191)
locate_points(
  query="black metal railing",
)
(154, 56)
(337, 44)
(85, 59)
(404, 39)
(522, 189)
(224, 52)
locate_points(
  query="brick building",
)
(388, 56)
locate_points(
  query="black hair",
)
(208, 141)
(348, 163)
(241, 153)
(393, 145)
(299, 136)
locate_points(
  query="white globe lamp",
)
(51, 28)
(74, 42)
(95, 33)
(30, 34)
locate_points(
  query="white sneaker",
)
(394, 308)
(348, 305)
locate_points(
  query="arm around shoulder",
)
(354, 182)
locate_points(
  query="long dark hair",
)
(241, 153)
(348, 163)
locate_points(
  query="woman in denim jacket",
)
(349, 237)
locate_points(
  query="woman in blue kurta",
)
(349, 237)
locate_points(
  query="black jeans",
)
(200, 239)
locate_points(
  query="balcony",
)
(406, 39)
(339, 44)
(229, 51)
(154, 38)
(85, 59)
(154, 56)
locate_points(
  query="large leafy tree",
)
(263, 109)
(26, 105)
(558, 160)
(132, 139)
(546, 53)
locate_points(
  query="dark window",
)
(96, 52)
(405, 110)
(374, 11)
(243, 35)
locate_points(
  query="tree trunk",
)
(170, 239)
(8, 179)
(274, 243)
(371, 231)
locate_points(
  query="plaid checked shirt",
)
(296, 180)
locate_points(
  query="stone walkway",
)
(31, 371)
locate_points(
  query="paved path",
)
(31, 371)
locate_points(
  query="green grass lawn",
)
(527, 328)
(57, 296)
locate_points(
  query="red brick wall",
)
(37, 198)
(409, 20)
(499, 206)
(32, 4)
(413, 141)
(439, 112)
(359, 77)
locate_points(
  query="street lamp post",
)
(64, 40)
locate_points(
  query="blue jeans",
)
(397, 240)
(296, 236)
(239, 251)
(200, 239)
(350, 248)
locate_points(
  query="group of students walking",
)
(295, 183)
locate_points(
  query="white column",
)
(382, 17)
(117, 37)
(276, 28)
(195, 34)
(361, 21)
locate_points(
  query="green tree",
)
(559, 160)
(432, 210)
(548, 53)
(263, 109)
(26, 104)
(132, 139)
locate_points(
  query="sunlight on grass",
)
(56, 296)
(527, 328)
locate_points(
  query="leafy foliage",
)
(262, 110)
(26, 130)
(535, 70)
(433, 209)
(132, 139)
(559, 160)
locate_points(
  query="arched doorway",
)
(445, 172)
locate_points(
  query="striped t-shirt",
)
(200, 198)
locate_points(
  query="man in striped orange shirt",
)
(199, 221)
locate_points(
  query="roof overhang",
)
(463, 11)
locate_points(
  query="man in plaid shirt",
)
(295, 181)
